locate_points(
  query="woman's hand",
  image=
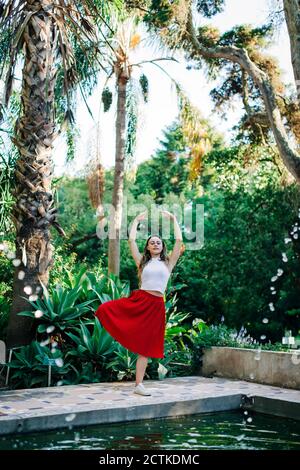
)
(168, 214)
(141, 216)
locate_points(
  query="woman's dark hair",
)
(147, 256)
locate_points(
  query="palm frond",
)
(80, 20)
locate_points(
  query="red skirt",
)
(137, 322)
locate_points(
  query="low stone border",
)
(43, 409)
(278, 368)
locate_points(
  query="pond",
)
(241, 430)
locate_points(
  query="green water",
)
(226, 430)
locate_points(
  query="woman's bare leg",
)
(141, 365)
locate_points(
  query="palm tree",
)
(40, 32)
(120, 57)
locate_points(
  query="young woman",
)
(138, 321)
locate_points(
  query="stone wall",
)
(267, 367)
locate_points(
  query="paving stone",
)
(21, 411)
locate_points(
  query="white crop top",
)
(155, 275)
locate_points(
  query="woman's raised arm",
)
(137, 256)
(176, 252)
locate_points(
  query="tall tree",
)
(179, 159)
(123, 42)
(292, 17)
(39, 32)
(237, 53)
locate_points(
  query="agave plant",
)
(86, 282)
(174, 318)
(96, 345)
(111, 288)
(74, 280)
(30, 365)
(124, 363)
(59, 311)
(86, 374)
(98, 287)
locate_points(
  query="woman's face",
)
(155, 246)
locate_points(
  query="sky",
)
(161, 109)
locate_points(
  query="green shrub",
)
(221, 335)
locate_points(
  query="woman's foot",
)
(141, 390)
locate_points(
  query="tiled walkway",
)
(57, 407)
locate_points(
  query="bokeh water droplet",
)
(28, 290)
(59, 362)
(257, 355)
(21, 275)
(296, 358)
(33, 297)
(70, 417)
(38, 313)
(16, 262)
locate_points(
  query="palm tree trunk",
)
(116, 217)
(34, 135)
